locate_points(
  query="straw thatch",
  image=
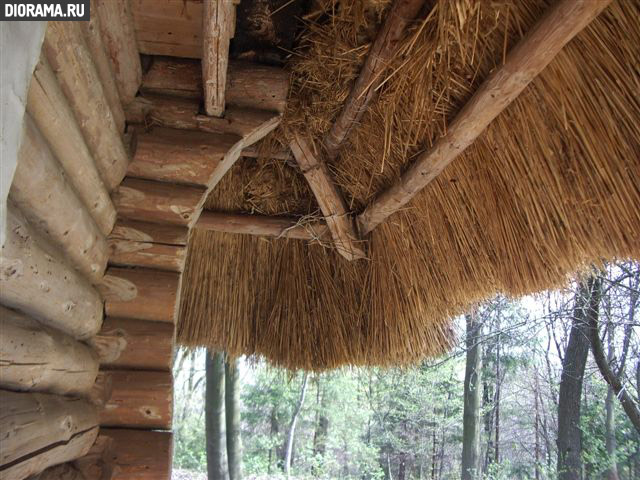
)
(552, 186)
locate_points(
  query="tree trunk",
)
(569, 436)
(496, 458)
(232, 415)
(214, 410)
(292, 426)
(471, 419)
(322, 424)
(610, 434)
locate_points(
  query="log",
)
(150, 232)
(523, 64)
(147, 200)
(179, 156)
(129, 253)
(41, 430)
(140, 293)
(139, 399)
(50, 204)
(97, 464)
(249, 85)
(134, 344)
(38, 358)
(69, 56)
(52, 114)
(183, 113)
(329, 199)
(35, 280)
(66, 471)
(218, 25)
(93, 36)
(253, 152)
(102, 389)
(140, 454)
(264, 225)
(118, 33)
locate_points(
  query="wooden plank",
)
(139, 399)
(134, 344)
(218, 25)
(118, 33)
(130, 253)
(329, 199)
(41, 190)
(150, 232)
(525, 61)
(41, 430)
(179, 156)
(93, 35)
(140, 454)
(147, 200)
(52, 114)
(68, 55)
(264, 225)
(38, 358)
(385, 46)
(35, 280)
(249, 85)
(140, 293)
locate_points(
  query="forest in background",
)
(502, 405)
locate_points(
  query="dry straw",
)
(551, 186)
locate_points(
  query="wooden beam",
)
(118, 34)
(262, 225)
(382, 51)
(134, 344)
(525, 61)
(40, 430)
(329, 199)
(140, 454)
(50, 203)
(52, 114)
(150, 232)
(69, 57)
(218, 24)
(130, 253)
(38, 358)
(36, 280)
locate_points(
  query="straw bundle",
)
(552, 186)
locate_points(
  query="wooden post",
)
(35, 280)
(140, 454)
(329, 199)
(68, 55)
(104, 66)
(40, 430)
(34, 357)
(118, 34)
(52, 114)
(41, 191)
(218, 20)
(525, 61)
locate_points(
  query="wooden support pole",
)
(140, 454)
(41, 190)
(38, 358)
(52, 114)
(93, 36)
(218, 22)
(263, 225)
(41, 430)
(36, 280)
(525, 61)
(118, 33)
(400, 16)
(329, 199)
(69, 56)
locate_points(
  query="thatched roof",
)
(552, 186)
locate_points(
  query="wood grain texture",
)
(524, 62)
(130, 253)
(69, 57)
(38, 358)
(149, 232)
(54, 118)
(97, 464)
(35, 279)
(140, 454)
(139, 399)
(49, 202)
(126, 343)
(140, 293)
(65, 471)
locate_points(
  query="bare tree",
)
(292, 425)
(471, 417)
(232, 416)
